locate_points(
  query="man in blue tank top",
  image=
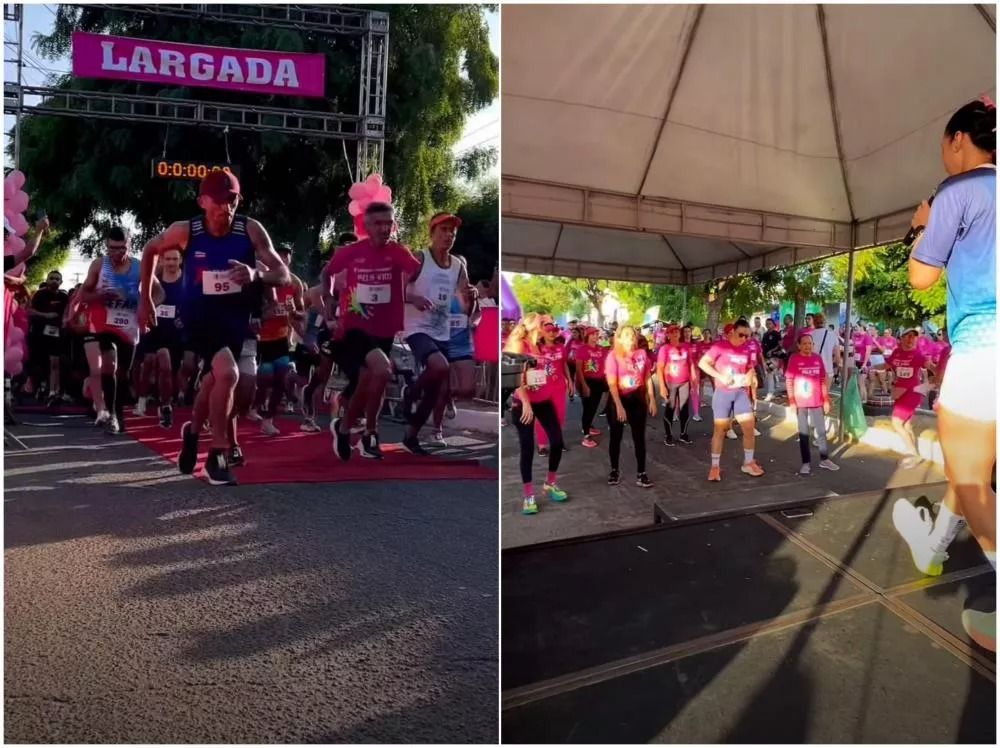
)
(221, 252)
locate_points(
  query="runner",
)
(533, 400)
(961, 237)
(591, 382)
(561, 385)
(111, 292)
(48, 306)
(808, 387)
(371, 309)
(774, 355)
(629, 373)
(161, 347)
(907, 367)
(729, 364)
(222, 250)
(675, 371)
(460, 352)
(863, 345)
(441, 277)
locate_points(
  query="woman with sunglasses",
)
(534, 401)
(960, 236)
(730, 364)
(591, 382)
(628, 370)
(562, 386)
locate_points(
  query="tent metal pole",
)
(846, 371)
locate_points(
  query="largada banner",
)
(173, 64)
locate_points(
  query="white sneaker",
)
(914, 524)
(103, 417)
(829, 465)
(756, 431)
(310, 425)
(254, 416)
(450, 411)
(730, 434)
(268, 428)
(699, 419)
(140, 407)
(768, 397)
(439, 438)
(806, 469)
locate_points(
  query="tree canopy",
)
(441, 70)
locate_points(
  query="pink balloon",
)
(355, 208)
(17, 178)
(15, 338)
(18, 203)
(12, 245)
(375, 179)
(358, 191)
(20, 225)
(14, 369)
(18, 270)
(384, 195)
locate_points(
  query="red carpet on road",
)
(299, 457)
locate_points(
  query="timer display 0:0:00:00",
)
(192, 171)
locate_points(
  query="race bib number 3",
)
(218, 283)
(165, 311)
(377, 294)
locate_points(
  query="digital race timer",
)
(163, 168)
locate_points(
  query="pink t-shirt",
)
(676, 362)
(374, 298)
(540, 380)
(591, 358)
(573, 349)
(630, 372)
(924, 345)
(861, 342)
(907, 366)
(555, 355)
(730, 359)
(806, 376)
(755, 350)
(887, 343)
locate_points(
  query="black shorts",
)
(350, 352)
(304, 359)
(206, 343)
(423, 346)
(272, 351)
(49, 346)
(107, 341)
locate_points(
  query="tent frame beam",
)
(835, 110)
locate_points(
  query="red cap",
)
(727, 329)
(442, 218)
(221, 186)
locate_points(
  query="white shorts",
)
(969, 389)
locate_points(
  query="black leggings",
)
(635, 406)
(545, 414)
(678, 396)
(597, 389)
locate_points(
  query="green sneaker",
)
(529, 507)
(981, 626)
(555, 493)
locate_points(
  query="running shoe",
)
(554, 492)
(102, 419)
(756, 431)
(341, 442)
(614, 478)
(140, 407)
(981, 626)
(595, 432)
(439, 438)
(113, 427)
(543, 451)
(450, 411)
(53, 401)
(188, 457)
(216, 471)
(668, 440)
(752, 468)
(697, 419)
(684, 439)
(236, 458)
(412, 445)
(731, 434)
(369, 447)
(308, 424)
(267, 428)
(715, 473)
(642, 480)
(914, 524)
(589, 443)
(768, 397)
(806, 469)
(254, 415)
(529, 506)
(829, 464)
(166, 416)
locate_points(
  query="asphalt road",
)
(142, 607)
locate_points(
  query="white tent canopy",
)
(680, 143)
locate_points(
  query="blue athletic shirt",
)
(169, 310)
(460, 343)
(961, 237)
(212, 299)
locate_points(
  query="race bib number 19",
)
(218, 283)
(443, 294)
(377, 294)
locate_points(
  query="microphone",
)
(913, 236)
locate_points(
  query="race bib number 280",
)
(218, 283)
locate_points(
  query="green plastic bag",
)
(854, 413)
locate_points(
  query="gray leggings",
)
(815, 415)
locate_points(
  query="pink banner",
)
(172, 64)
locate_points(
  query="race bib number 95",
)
(218, 283)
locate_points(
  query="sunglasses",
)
(743, 335)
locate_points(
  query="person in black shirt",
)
(773, 355)
(48, 305)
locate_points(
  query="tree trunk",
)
(714, 301)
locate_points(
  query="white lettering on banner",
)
(218, 283)
(286, 75)
(230, 71)
(172, 63)
(108, 62)
(374, 294)
(142, 62)
(164, 311)
(51, 331)
(201, 66)
(258, 70)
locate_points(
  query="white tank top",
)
(437, 284)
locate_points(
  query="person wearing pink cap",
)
(222, 253)
(907, 366)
